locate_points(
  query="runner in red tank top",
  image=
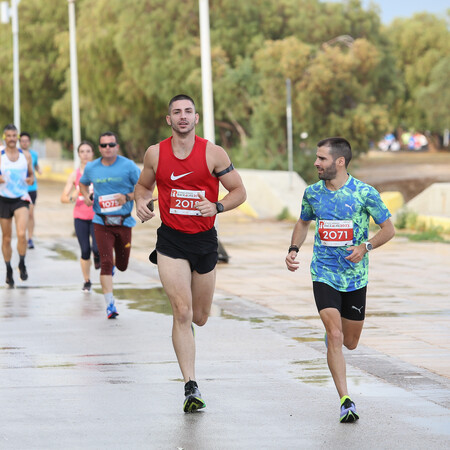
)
(187, 170)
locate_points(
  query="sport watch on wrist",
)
(219, 207)
(369, 246)
(127, 197)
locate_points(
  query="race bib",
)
(184, 202)
(336, 233)
(109, 203)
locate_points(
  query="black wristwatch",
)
(219, 207)
(127, 197)
(293, 247)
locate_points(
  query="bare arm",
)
(298, 237)
(218, 160)
(30, 178)
(383, 235)
(143, 191)
(66, 193)
(84, 191)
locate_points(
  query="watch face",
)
(369, 246)
(219, 207)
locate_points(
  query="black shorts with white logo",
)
(9, 205)
(199, 249)
(350, 304)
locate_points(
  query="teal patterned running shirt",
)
(349, 208)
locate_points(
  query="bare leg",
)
(107, 283)
(6, 225)
(176, 278)
(21, 217)
(202, 295)
(31, 222)
(85, 268)
(331, 319)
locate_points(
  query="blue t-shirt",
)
(118, 178)
(342, 220)
(34, 160)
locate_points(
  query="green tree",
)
(418, 44)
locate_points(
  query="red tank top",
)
(178, 182)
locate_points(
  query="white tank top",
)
(14, 174)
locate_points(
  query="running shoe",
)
(348, 410)
(9, 278)
(193, 400)
(111, 311)
(87, 286)
(23, 272)
(30, 243)
(97, 262)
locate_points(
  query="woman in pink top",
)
(83, 215)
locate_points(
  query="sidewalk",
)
(72, 379)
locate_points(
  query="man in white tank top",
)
(16, 174)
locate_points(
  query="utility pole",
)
(289, 130)
(76, 131)
(7, 13)
(207, 91)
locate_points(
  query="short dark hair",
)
(86, 143)
(25, 134)
(338, 147)
(180, 97)
(10, 127)
(108, 133)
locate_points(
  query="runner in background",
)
(16, 174)
(25, 142)
(114, 178)
(83, 215)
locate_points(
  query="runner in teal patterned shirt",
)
(341, 207)
(356, 202)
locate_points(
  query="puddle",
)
(308, 339)
(225, 315)
(151, 299)
(407, 314)
(315, 371)
(63, 253)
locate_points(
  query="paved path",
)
(72, 379)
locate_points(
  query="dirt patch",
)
(406, 172)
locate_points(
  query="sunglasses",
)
(110, 144)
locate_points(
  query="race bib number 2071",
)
(336, 233)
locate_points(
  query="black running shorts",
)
(199, 249)
(9, 205)
(351, 305)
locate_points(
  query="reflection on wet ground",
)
(63, 253)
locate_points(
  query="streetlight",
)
(7, 13)
(207, 91)
(76, 132)
(289, 130)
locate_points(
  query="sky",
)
(391, 9)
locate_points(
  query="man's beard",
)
(328, 174)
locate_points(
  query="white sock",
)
(109, 298)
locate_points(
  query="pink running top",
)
(81, 211)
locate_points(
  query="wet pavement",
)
(73, 379)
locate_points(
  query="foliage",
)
(405, 218)
(350, 75)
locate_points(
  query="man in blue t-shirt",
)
(113, 177)
(25, 143)
(341, 207)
